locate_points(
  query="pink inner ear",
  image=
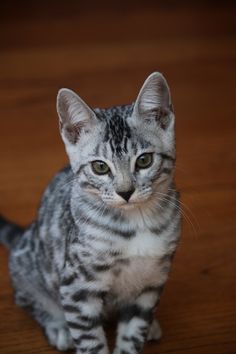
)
(71, 132)
(164, 120)
(160, 114)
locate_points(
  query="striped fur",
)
(90, 251)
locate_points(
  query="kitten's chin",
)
(129, 206)
(121, 205)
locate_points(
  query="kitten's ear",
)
(74, 114)
(154, 101)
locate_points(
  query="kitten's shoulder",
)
(58, 189)
(62, 178)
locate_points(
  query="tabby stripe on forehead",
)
(97, 150)
(117, 132)
(111, 146)
(104, 151)
(125, 144)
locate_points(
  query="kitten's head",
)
(123, 155)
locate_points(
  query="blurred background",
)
(104, 50)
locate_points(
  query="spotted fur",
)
(90, 251)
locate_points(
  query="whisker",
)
(184, 205)
(166, 197)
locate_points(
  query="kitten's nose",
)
(126, 195)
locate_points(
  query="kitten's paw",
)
(155, 332)
(59, 336)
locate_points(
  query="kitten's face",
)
(125, 172)
(123, 155)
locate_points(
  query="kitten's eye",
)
(144, 160)
(100, 167)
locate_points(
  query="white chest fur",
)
(143, 269)
(145, 244)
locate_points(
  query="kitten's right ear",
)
(74, 115)
(154, 101)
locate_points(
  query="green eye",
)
(144, 160)
(100, 167)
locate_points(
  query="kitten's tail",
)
(9, 232)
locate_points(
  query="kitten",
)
(107, 227)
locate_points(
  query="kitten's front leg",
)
(83, 308)
(135, 322)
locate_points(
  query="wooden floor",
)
(105, 52)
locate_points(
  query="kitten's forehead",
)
(121, 135)
(117, 132)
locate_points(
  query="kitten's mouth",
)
(131, 205)
(124, 205)
(128, 205)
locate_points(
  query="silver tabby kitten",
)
(107, 227)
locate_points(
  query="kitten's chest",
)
(141, 266)
(145, 244)
(137, 273)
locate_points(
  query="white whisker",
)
(166, 197)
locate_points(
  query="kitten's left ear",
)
(75, 119)
(74, 116)
(154, 101)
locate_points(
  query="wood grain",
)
(104, 51)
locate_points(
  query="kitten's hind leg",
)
(155, 332)
(32, 281)
(51, 319)
(58, 335)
